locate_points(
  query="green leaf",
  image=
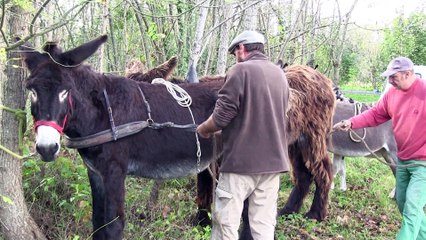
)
(7, 199)
(3, 56)
(24, 4)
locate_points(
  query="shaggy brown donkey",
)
(310, 121)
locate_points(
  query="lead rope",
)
(358, 107)
(377, 157)
(184, 100)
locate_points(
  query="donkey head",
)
(50, 84)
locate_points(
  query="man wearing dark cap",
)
(405, 105)
(251, 112)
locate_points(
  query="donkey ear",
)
(281, 64)
(31, 57)
(52, 48)
(165, 70)
(81, 53)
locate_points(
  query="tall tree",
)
(338, 47)
(199, 31)
(406, 37)
(15, 220)
(250, 16)
(224, 36)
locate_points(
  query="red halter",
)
(52, 123)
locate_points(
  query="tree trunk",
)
(224, 38)
(105, 13)
(15, 221)
(337, 59)
(250, 16)
(201, 24)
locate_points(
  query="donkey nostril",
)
(38, 149)
(48, 152)
(55, 149)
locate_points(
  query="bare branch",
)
(37, 14)
(171, 16)
(227, 19)
(54, 26)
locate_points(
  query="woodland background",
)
(52, 201)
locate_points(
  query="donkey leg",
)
(336, 167)
(114, 201)
(98, 203)
(245, 232)
(390, 159)
(339, 168)
(153, 199)
(319, 207)
(343, 186)
(302, 178)
(205, 186)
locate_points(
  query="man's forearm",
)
(207, 128)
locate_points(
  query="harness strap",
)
(189, 127)
(121, 131)
(106, 135)
(111, 118)
(148, 107)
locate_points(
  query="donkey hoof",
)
(285, 212)
(315, 215)
(201, 219)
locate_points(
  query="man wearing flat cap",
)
(250, 111)
(405, 105)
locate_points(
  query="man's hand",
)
(207, 128)
(343, 125)
(202, 131)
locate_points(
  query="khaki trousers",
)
(261, 190)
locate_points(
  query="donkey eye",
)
(63, 95)
(33, 95)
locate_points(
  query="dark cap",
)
(245, 38)
(398, 64)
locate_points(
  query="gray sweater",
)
(251, 113)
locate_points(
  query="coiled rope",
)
(184, 100)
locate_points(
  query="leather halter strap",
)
(53, 124)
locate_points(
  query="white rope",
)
(178, 93)
(184, 100)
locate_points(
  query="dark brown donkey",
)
(124, 127)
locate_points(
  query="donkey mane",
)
(135, 71)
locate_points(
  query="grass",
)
(366, 98)
(364, 211)
(63, 210)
